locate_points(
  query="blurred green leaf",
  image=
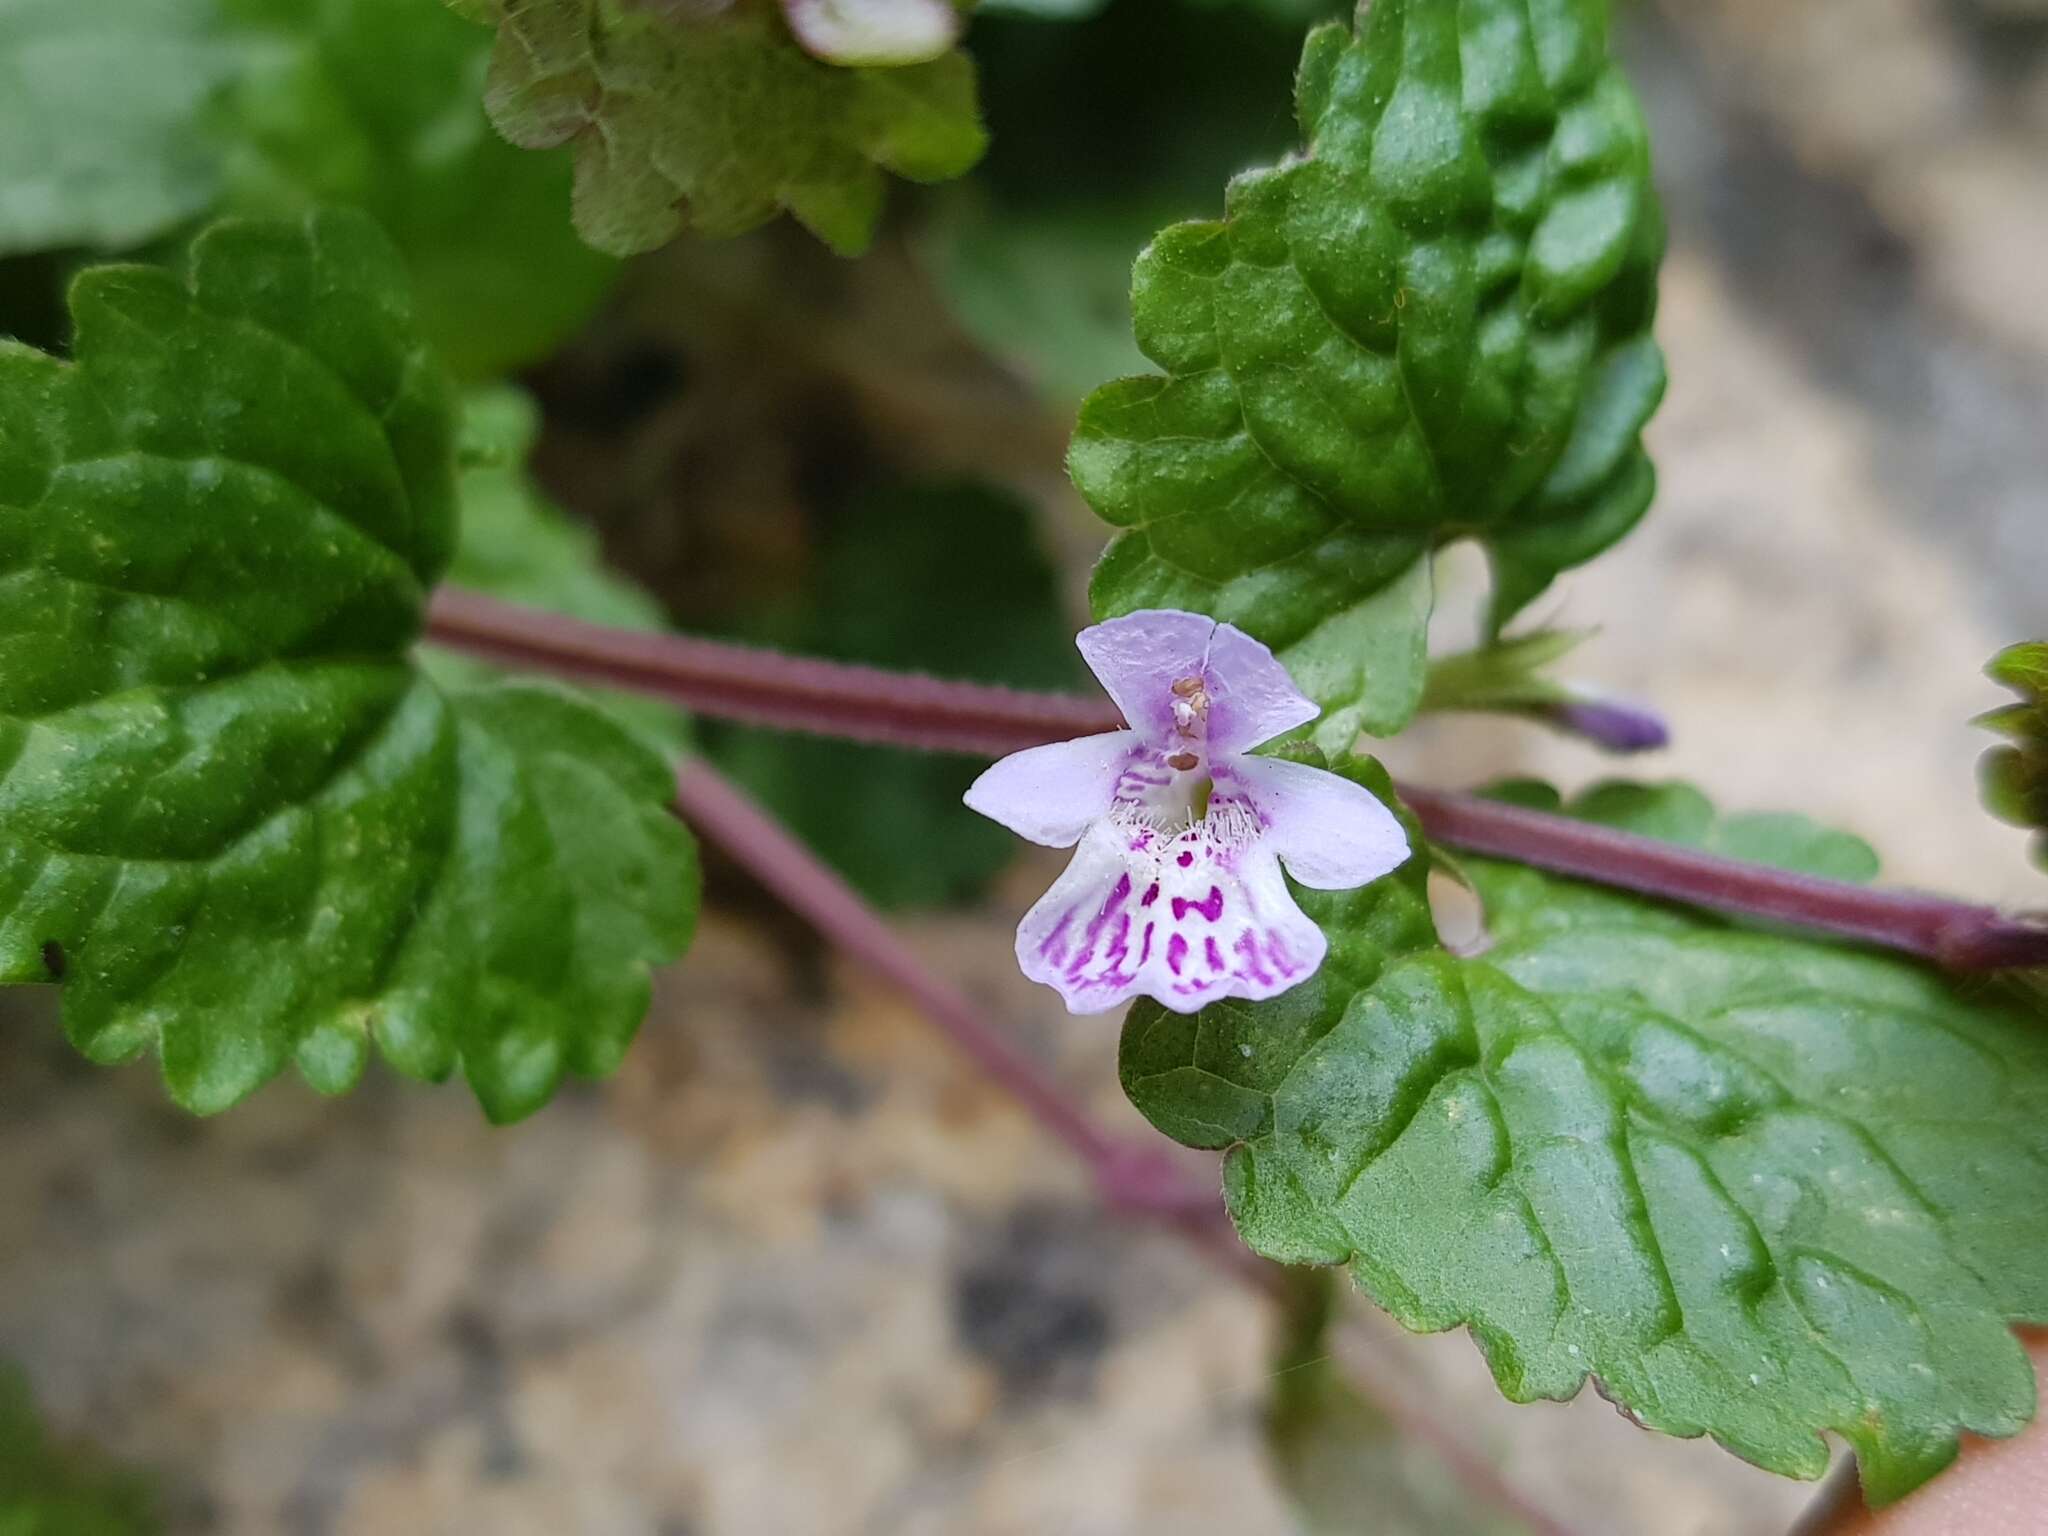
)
(121, 121)
(1036, 262)
(517, 546)
(715, 122)
(1347, 1465)
(946, 579)
(51, 1490)
(101, 141)
(1046, 290)
(1761, 1187)
(375, 104)
(1433, 324)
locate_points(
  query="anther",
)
(1190, 706)
(1183, 761)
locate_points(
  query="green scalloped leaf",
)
(1433, 324)
(237, 823)
(715, 122)
(1758, 1187)
(2014, 777)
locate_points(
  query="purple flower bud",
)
(1611, 724)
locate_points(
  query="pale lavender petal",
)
(1050, 794)
(873, 31)
(1183, 918)
(1332, 834)
(1252, 699)
(1139, 657)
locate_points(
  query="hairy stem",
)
(870, 704)
(1143, 1177)
(1144, 1180)
(1952, 934)
(762, 687)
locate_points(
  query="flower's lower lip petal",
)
(1125, 921)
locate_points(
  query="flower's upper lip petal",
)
(1139, 657)
(1251, 697)
(1050, 794)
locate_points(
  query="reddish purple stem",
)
(1140, 1177)
(1952, 934)
(761, 687)
(869, 704)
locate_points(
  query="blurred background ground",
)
(796, 1269)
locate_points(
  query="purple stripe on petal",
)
(1117, 897)
(1214, 952)
(1055, 947)
(1247, 948)
(1176, 953)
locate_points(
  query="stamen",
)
(1185, 762)
(1230, 824)
(1190, 706)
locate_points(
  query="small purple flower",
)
(1175, 891)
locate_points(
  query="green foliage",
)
(123, 120)
(49, 1490)
(237, 823)
(716, 122)
(1505, 675)
(1759, 1187)
(946, 579)
(100, 136)
(515, 545)
(2014, 777)
(1036, 264)
(1433, 324)
(1678, 813)
(1045, 290)
(1348, 1466)
(372, 103)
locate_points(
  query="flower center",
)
(1170, 794)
